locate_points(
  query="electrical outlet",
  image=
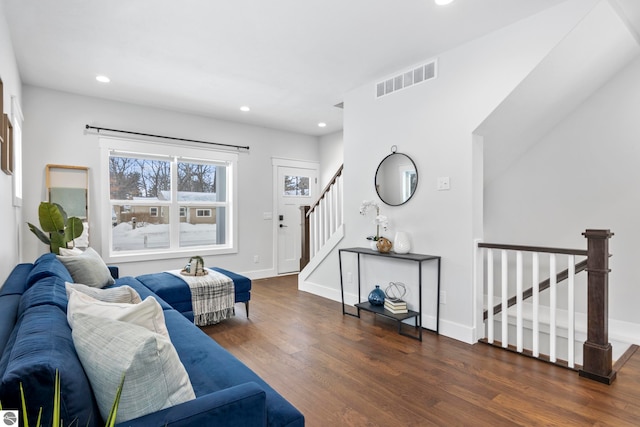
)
(256, 259)
(443, 297)
(349, 278)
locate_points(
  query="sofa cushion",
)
(8, 317)
(154, 376)
(124, 293)
(49, 290)
(147, 313)
(48, 265)
(88, 268)
(16, 283)
(40, 344)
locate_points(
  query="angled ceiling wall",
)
(599, 47)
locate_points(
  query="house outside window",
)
(167, 205)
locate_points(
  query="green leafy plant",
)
(111, 420)
(60, 228)
(56, 421)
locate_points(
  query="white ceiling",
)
(291, 61)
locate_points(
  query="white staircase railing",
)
(532, 328)
(506, 287)
(322, 219)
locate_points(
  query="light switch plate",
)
(443, 183)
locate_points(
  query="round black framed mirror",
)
(396, 179)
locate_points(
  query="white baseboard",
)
(457, 331)
(319, 290)
(626, 332)
(260, 274)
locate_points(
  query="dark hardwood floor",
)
(343, 371)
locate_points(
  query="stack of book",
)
(395, 306)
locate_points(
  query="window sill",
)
(169, 254)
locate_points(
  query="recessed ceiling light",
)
(322, 125)
(443, 2)
(245, 108)
(103, 79)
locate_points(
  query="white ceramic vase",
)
(402, 243)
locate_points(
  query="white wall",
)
(583, 174)
(331, 156)
(55, 133)
(9, 215)
(433, 123)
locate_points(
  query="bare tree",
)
(123, 178)
(196, 177)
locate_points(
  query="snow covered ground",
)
(156, 236)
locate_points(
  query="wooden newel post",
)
(305, 252)
(597, 363)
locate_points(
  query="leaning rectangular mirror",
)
(68, 186)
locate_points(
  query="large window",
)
(161, 203)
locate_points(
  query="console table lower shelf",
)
(366, 306)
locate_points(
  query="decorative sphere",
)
(384, 245)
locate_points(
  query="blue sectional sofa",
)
(36, 340)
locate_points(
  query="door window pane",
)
(296, 185)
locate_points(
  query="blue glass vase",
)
(376, 296)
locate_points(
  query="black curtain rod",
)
(244, 147)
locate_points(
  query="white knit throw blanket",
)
(212, 296)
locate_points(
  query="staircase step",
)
(528, 353)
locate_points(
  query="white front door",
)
(296, 186)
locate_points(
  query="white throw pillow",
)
(154, 376)
(88, 268)
(123, 293)
(147, 314)
(70, 252)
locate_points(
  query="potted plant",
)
(54, 221)
(379, 220)
(56, 421)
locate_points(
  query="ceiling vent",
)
(407, 79)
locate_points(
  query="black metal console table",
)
(366, 306)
